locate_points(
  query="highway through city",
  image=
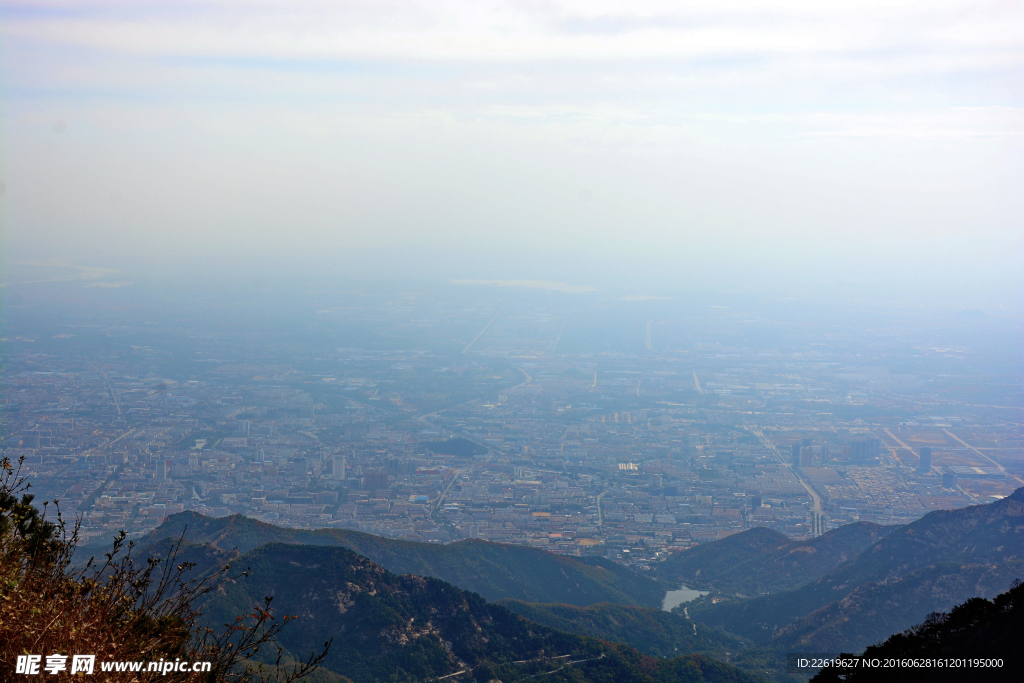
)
(558, 338)
(965, 445)
(982, 455)
(901, 445)
(110, 388)
(486, 327)
(447, 489)
(817, 515)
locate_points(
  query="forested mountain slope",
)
(493, 570)
(977, 629)
(409, 628)
(984, 543)
(761, 560)
(653, 632)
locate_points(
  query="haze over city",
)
(485, 330)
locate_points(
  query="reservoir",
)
(678, 597)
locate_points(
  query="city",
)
(627, 455)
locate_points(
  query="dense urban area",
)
(475, 419)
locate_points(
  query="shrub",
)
(120, 609)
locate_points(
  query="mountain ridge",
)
(760, 560)
(495, 571)
(988, 535)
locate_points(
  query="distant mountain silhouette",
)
(493, 570)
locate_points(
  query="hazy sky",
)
(838, 141)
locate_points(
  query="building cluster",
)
(615, 455)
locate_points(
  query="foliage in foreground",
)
(119, 609)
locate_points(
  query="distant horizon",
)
(871, 282)
(861, 150)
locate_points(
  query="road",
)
(902, 445)
(90, 500)
(558, 338)
(527, 379)
(600, 515)
(649, 341)
(980, 454)
(530, 661)
(425, 417)
(113, 441)
(86, 453)
(113, 396)
(447, 489)
(817, 516)
(486, 327)
(769, 446)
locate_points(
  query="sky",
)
(834, 148)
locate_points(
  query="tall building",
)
(824, 454)
(949, 480)
(926, 459)
(806, 456)
(796, 454)
(260, 457)
(243, 427)
(338, 467)
(161, 469)
(865, 451)
(299, 466)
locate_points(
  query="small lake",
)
(678, 597)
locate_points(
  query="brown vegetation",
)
(120, 609)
